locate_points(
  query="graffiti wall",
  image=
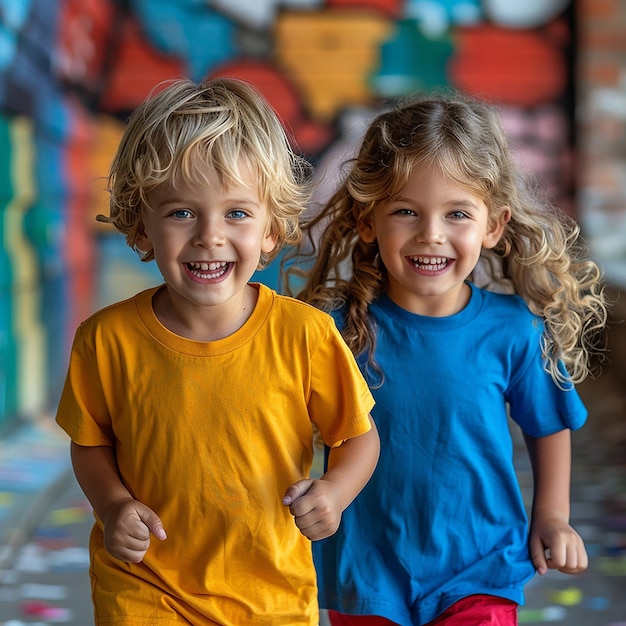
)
(72, 70)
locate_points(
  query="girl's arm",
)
(127, 522)
(554, 544)
(317, 505)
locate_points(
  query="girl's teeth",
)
(434, 263)
(429, 260)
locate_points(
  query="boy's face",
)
(207, 242)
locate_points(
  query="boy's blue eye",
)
(458, 215)
(237, 214)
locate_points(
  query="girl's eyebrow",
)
(396, 199)
(451, 203)
(462, 204)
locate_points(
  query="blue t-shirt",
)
(443, 515)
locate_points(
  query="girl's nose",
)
(430, 231)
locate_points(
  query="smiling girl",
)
(440, 533)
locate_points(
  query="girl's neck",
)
(440, 305)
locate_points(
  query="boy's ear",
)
(496, 227)
(142, 242)
(366, 229)
(269, 241)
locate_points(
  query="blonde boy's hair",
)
(220, 123)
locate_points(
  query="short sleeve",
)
(340, 400)
(82, 412)
(537, 403)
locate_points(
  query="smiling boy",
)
(190, 406)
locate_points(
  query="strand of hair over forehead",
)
(210, 122)
(193, 129)
(460, 136)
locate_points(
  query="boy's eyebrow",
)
(182, 199)
(245, 201)
(249, 203)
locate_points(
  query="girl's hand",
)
(127, 529)
(316, 512)
(554, 544)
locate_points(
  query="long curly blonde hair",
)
(540, 254)
(221, 123)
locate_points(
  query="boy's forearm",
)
(551, 460)
(352, 464)
(97, 473)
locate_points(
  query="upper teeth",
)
(214, 265)
(426, 260)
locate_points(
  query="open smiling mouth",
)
(429, 263)
(207, 271)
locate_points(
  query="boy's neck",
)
(207, 323)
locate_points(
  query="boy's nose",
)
(209, 233)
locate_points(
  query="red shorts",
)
(476, 610)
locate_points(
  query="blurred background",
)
(72, 70)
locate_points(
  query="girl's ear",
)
(366, 229)
(496, 227)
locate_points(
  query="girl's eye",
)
(181, 214)
(237, 214)
(404, 212)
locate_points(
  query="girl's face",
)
(430, 236)
(207, 242)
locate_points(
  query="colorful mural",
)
(72, 70)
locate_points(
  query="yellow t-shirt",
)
(210, 435)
